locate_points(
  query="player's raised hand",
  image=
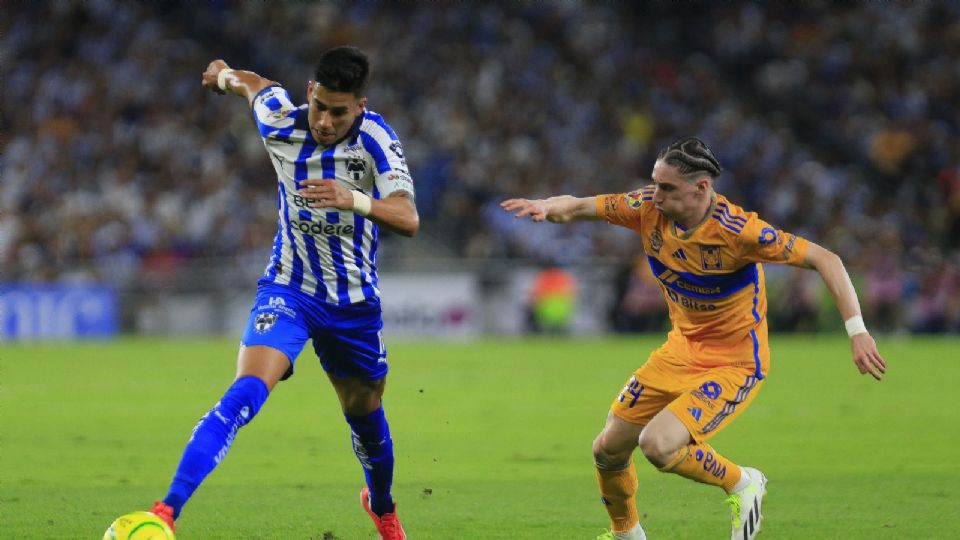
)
(866, 357)
(209, 80)
(326, 193)
(536, 209)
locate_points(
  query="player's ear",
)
(310, 85)
(362, 103)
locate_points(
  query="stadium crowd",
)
(835, 121)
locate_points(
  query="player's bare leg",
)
(358, 397)
(663, 438)
(617, 477)
(265, 363)
(668, 444)
(360, 400)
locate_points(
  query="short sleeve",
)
(761, 242)
(625, 209)
(274, 113)
(392, 173)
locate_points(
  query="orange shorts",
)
(706, 387)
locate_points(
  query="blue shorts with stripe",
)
(348, 340)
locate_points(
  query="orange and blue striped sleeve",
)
(625, 209)
(764, 243)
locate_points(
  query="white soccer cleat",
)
(745, 506)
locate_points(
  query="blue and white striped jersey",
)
(330, 254)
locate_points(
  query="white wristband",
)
(362, 204)
(222, 78)
(855, 326)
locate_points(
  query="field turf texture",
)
(492, 441)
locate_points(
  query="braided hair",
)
(692, 158)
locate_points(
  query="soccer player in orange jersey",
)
(705, 252)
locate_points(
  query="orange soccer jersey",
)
(710, 274)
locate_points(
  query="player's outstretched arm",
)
(396, 211)
(864, 348)
(562, 209)
(219, 78)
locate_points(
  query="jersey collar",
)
(353, 132)
(685, 235)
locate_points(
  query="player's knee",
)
(359, 397)
(360, 404)
(656, 447)
(606, 457)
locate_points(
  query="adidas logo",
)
(695, 412)
(679, 254)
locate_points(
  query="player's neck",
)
(699, 214)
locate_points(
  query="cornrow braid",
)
(691, 155)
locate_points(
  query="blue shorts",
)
(347, 339)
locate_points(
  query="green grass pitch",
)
(492, 441)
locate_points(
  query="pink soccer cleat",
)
(164, 512)
(388, 525)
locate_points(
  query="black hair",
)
(691, 157)
(344, 69)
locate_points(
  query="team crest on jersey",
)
(356, 168)
(656, 240)
(710, 257)
(264, 322)
(634, 200)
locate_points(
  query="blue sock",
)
(213, 436)
(374, 449)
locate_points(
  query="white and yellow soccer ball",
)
(138, 526)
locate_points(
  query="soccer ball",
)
(138, 526)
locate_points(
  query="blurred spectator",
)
(553, 301)
(937, 304)
(795, 303)
(833, 120)
(885, 281)
(638, 301)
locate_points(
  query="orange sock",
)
(618, 491)
(702, 463)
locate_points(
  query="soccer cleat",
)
(388, 525)
(745, 506)
(164, 512)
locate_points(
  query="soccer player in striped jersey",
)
(705, 252)
(341, 175)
